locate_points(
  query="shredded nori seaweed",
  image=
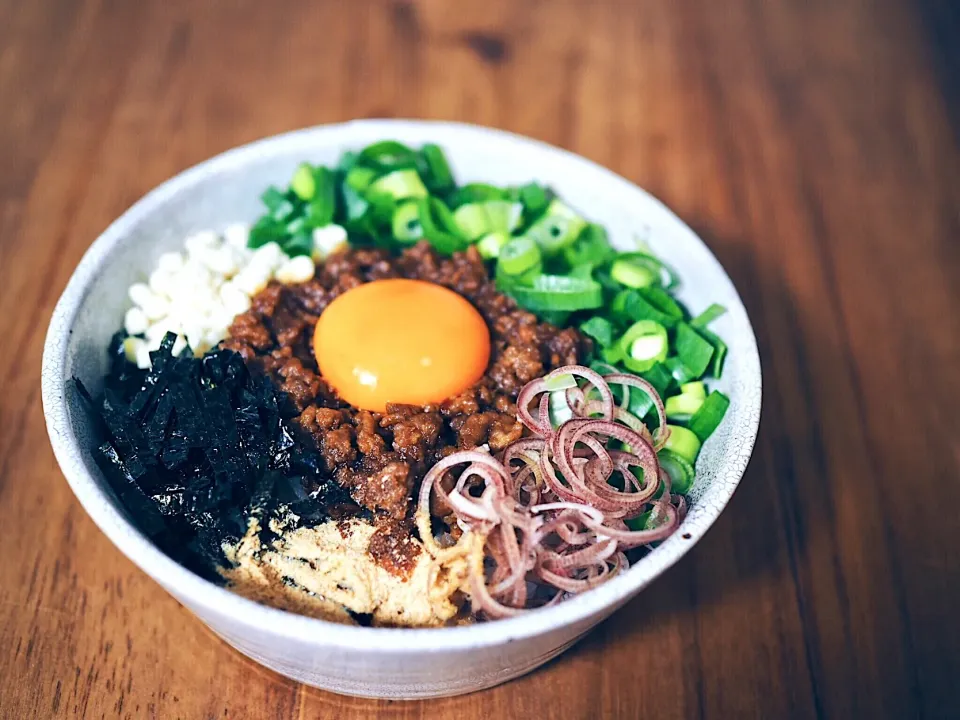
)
(196, 446)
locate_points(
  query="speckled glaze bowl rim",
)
(194, 590)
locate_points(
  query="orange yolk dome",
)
(400, 341)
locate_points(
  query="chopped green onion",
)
(557, 229)
(518, 256)
(303, 183)
(438, 176)
(661, 300)
(266, 230)
(559, 409)
(584, 272)
(299, 244)
(354, 204)
(591, 248)
(555, 317)
(472, 220)
(602, 368)
(665, 274)
(297, 225)
(600, 329)
(383, 205)
(406, 222)
(388, 155)
(631, 306)
(535, 199)
(640, 403)
(444, 215)
(557, 292)
(693, 350)
(695, 389)
(643, 345)
(323, 204)
(683, 442)
(562, 381)
(679, 469)
(503, 216)
(431, 210)
(632, 274)
(490, 245)
(678, 370)
(682, 406)
(708, 316)
(400, 184)
(708, 417)
(360, 178)
(719, 350)
(480, 218)
(348, 161)
(612, 355)
(506, 282)
(475, 192)
(273, 198)
(659, 376)
(640, 521)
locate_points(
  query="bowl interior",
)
(226, 189)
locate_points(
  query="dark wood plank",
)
(810, 144)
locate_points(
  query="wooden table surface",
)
(813, 145)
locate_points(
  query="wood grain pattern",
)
(809, 143)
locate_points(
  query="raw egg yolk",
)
(400, 341)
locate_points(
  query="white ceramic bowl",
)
(376, 662)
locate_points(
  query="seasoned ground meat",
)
(381, 458)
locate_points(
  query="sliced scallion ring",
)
(679, 469)
(591, 248)
(535, 199)
(640, 521)
(405, 223)
(303, 183)
(600, 329)
(559, 409)
(436, 219)
(502, 215)
(477, 219)
(475, 192)
(708, 315)
(682, 407)
(558, 228)
(694, 351)
(388, 155)
(696, 389)
(564, 381)
(558, 292)
(708, 417)
(643, 345)
(438, 170)
(631, 274)
(472, 220)
(323, 204)
(683, 442)
(518, 256)
(400, 184)
(490, 245)
(359, 178)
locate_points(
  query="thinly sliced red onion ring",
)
(627, 539)
(547, 515)
(633, 381)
